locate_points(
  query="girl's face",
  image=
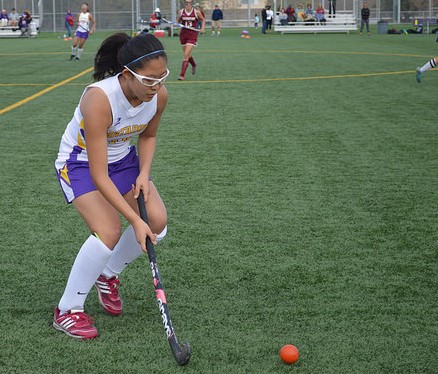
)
(84, 8)
(136, 92)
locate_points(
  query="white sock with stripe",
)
(80, 50)
(73, 51)
(126, 251)
(90, 261)
(428, 65)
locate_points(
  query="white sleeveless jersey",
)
(127, 122)
(84, 22)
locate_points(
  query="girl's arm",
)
(178, 19)
(97, 115)
(146, 146)
(93, 21)
(202, 18)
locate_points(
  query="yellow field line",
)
(314, 52)
(246, 80)
(301, 78)
(66, 81)
(40, 93)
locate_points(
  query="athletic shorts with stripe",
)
(75, 179)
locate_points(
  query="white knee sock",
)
(90, 261)
(73, 51)
(428, 65)
(80, 50)
(126, 251)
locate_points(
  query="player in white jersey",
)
(84, 20)
(101, 174)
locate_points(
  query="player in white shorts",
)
(101, 174)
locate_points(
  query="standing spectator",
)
(69, 21)
(189, 17)
(269, 18)
(365, 18)
(4, 18)
(83, 31)
(13, 18)
(264, 19)
(216, 19)
(332, 8)
(256, 21)
(433, 63)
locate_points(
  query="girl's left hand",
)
(141, 187)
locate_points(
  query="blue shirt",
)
(217, 15)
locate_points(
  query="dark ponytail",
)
(120, 49)
(106, 63)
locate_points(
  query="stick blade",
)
(182, 357)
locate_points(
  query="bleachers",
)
(15, 32)
(343, 22)
(9, 31)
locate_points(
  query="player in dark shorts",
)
(189, 17)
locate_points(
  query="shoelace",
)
(109, 286)
(72, 317)
(81, 316)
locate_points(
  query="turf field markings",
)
(297, 78)
(316, 52)
(46, 90)
(38, 84)
(23, 84)
(33, 54)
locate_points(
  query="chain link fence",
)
(133, 14)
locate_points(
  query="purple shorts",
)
(75, 178)
(81, 35)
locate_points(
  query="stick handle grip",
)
(144, 217)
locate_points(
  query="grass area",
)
(302, 200)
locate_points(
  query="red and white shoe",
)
(181, 78)
(75, 323)
(108, 292)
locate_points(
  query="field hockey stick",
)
(85, 28)
(180, 25)
(180, 353)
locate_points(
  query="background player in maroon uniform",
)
(189, 17)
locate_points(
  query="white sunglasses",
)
(148, 81)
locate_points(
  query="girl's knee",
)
(158, 220)
(110, 235)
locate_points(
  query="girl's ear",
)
(126, 73)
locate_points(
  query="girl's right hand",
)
(142, 230)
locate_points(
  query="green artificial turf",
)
(300, 176)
